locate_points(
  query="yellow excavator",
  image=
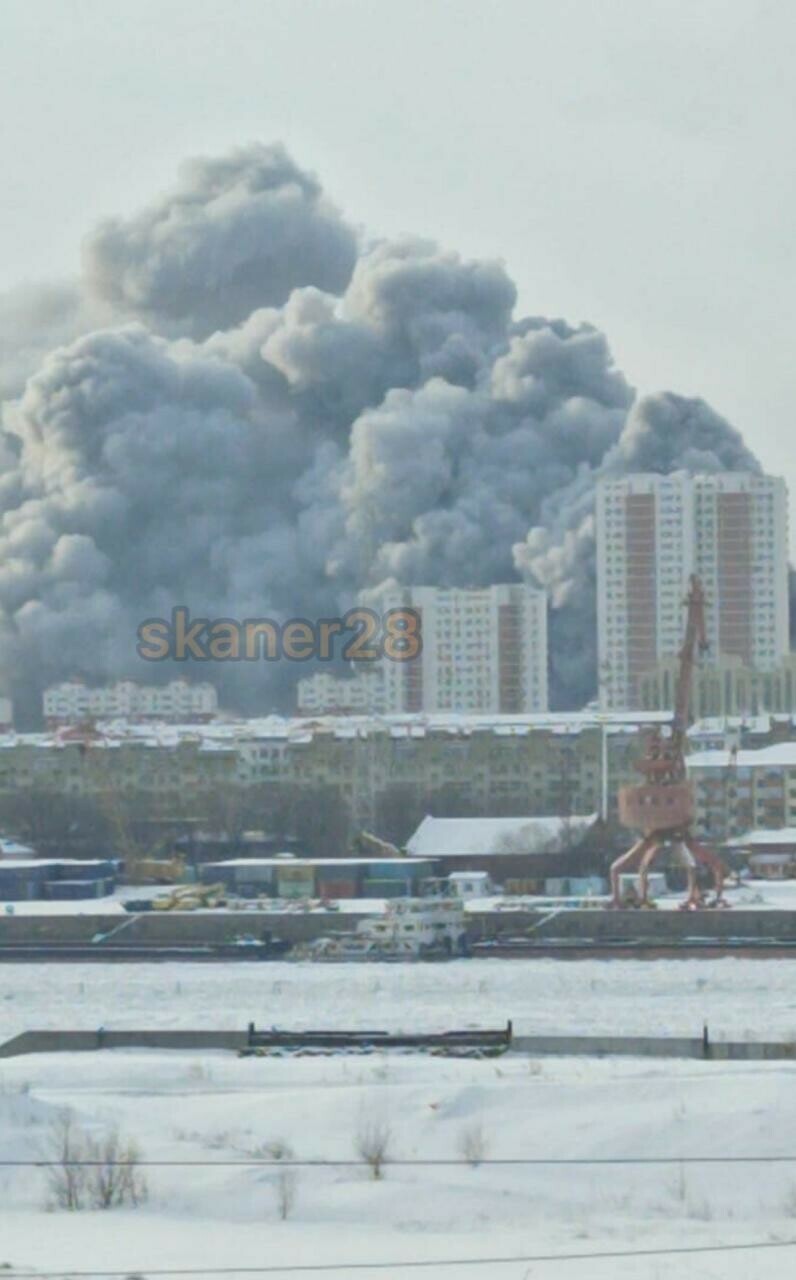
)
(367, 843)
(155, 870)
(191, 897)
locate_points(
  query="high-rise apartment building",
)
(484, 650)
(653, 532)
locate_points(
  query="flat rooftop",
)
(317, 862)
(28, 864)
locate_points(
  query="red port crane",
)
(662, 806)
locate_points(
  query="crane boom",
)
(696, 640)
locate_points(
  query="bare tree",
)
(286, 1187)
(399, 811)
(321, 820)
(372, 1144)
(66, 1176)
(474, 1144)
(121, 809)
(115, 1176)
(51, 821)
(101, 1173)
(228, 809)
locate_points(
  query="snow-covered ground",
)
(764, 895)
(211, 1108)
(758, 895)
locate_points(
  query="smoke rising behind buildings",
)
(248, 406)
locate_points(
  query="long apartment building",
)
(379, 767)
(324, 693)
(741, 790)
(484, 650)
(653, 532)
(72, 701)
(385, 769)
(725, 686)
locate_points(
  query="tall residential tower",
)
(653, 532)
(484, 650)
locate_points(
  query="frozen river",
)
(735, 996)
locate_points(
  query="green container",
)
(296, 882)
(384, 889)
(395, 870)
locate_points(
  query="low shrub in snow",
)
(372, 1144)
(473, 1144)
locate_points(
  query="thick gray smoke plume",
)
(236, 233)
(246, 409)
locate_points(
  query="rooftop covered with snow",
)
(25, 864)
(780, 755)
(227, 734)
(282, 861)
(13, 849)
(466, 837)
(785, 836)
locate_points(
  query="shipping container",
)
(373, 888)
(392, 869)
(102, 869)
(22, 883)
(295, 882)
(348, 871)
(246, 878)
(524, 886)
(263, 877)
(330, 889)
(75, 890)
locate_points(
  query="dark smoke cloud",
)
(236, 233)
(245, 410)
(662, 433)
(33, 320)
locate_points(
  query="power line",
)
(415, 1163)
(414, 1264)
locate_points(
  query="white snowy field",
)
(213, 1107)
(736, 997)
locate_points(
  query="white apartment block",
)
(484, 650)
(73, 701)
(653, 532)
(324, 693)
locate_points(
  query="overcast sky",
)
(632, 162)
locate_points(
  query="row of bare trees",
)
(85, 1171)
(132, 824)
